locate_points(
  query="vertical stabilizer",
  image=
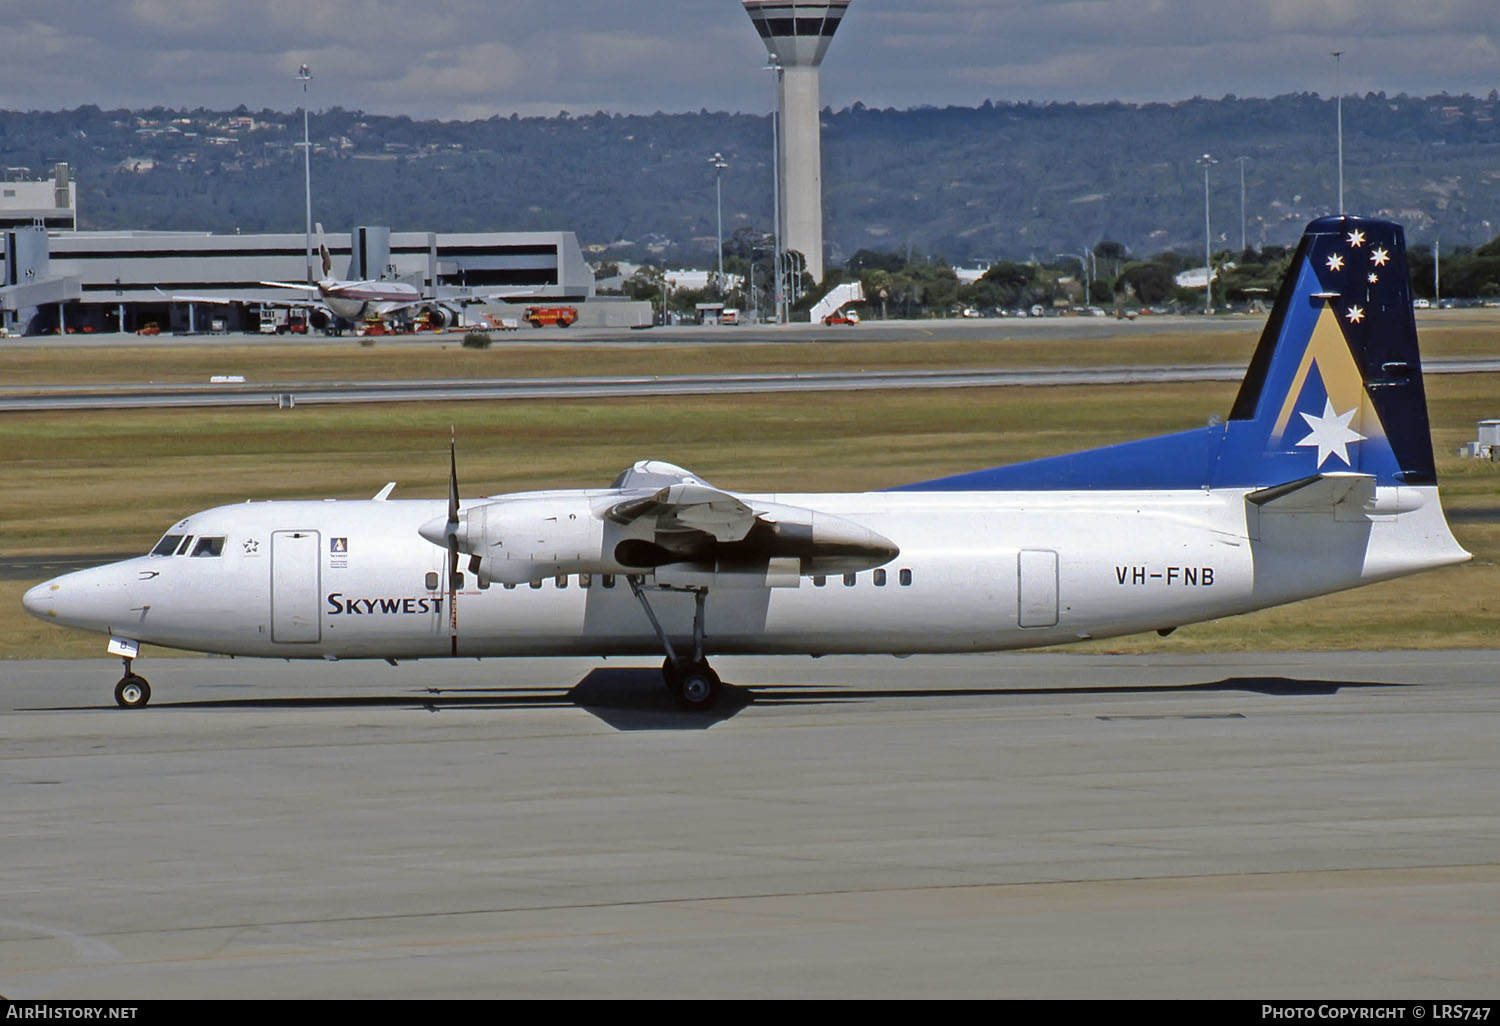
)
(1336, 382)
(1335, 386)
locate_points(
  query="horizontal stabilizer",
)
(1320, 493)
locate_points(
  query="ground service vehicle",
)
(545, 316)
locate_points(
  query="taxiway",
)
(1025, 825)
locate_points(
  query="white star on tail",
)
(1379, 257)
(1335, 263)
(1331, 433)
(1356, 238)
(1355, 314)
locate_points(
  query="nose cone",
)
(95, 600)
(40, 601)
(435, 531)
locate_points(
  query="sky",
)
(471, 59)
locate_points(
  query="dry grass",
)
(112, 481)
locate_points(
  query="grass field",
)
(185, 362)
(112, 481)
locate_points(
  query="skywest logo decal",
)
(426, 605)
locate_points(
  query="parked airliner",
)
(1321, 478)
(364, 299)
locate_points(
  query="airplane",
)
(1320, 479)
(359, 299)
(365, 299)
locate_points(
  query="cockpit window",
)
(209, 546)
(182, 549)
(167, 545)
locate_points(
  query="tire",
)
(132, 692)
(694, 686)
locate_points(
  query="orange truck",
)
(543, 316)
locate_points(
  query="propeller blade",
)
(452, 529)
(453, 482)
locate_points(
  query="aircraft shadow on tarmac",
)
(633, 698)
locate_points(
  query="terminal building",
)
(58, 279)
(125, 281)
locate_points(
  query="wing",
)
(687, 507)
(688, 518)
(301, 287)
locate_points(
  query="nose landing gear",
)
(133, 691)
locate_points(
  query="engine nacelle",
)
(522, 538)
(525, 539)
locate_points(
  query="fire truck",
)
(543, 316)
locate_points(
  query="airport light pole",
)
(304, 75)
(1241, 162)
(1437, 285)
(718, 164)
(1338, 78)
(1207, 162)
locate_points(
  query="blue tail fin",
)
(1335, 385)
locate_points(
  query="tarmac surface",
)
(156, 396)
(1263, 826)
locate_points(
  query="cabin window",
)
(509, 586)
(608, 580)
(585, 580)
(536, 583)
(561, 580)
(208, 547)
(880, 578)
(431, 580)
(167, 545)
(819, 580)
(905, 578)
(458, 581)
(848, 580)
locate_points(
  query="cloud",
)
(473, 58)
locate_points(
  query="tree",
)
(1151, 281)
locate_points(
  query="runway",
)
(284, 394)
(1261, 826)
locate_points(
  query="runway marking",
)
(88, 948)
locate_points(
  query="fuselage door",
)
(295, 576)
(1036, 571)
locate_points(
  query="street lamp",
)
(1207, 162)
(304, 75)
(718, 164)
(1338, 77)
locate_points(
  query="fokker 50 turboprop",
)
(1320, 479)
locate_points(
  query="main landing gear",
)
(132, 692)
(692, 682)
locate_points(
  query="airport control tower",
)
(797, 33)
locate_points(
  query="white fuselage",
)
(976, 571)
(366, 300)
